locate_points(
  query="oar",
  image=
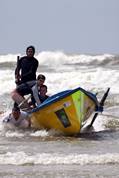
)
(17, 71)
(25, 100)
(101, 105)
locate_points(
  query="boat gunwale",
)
(56, 97)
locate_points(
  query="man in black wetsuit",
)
(26, 67)
(25, 75)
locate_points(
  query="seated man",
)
(25, 89)
(42, 90)
(17, 118)
(36, 89)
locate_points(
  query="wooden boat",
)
(66, 111)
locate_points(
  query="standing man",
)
(25, 75)
(26, 67)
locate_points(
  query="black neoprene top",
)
(28, 67)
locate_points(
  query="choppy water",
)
(44, 153)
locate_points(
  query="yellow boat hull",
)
(65, 113)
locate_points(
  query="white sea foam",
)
(66, 76)
(21, 158)
(64, 71)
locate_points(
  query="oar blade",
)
(101, 107)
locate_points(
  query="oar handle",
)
(17, 80)
(104, 97)
(25, 100)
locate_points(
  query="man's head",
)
(43, 90)
(30, 51)
(40, 79)
(16, 112)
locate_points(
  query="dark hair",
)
(41, 76)
(16, 108)
(32, 47)
(43, 86)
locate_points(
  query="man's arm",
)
(35, 95)
(7, 118)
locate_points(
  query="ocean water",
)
(41, 153)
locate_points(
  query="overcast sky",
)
(72, 26)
